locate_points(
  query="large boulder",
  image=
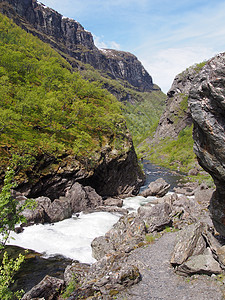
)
(157, 188)
(82, 197)
(207, 106)
(49, 289)
(190, 241)
(198, 252)
(125, 235)
(78, 198)
(200, 264)
(155, 217)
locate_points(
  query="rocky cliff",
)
(69, 129)
(76, 44)
(207, 106)
(176, 115)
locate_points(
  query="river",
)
(60, 243)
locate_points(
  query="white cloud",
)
(166, 64)
(100, 43)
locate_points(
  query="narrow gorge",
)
(127, 183)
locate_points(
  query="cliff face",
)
(73, 41)
(207, 105)
(111, 174)
(177, 114)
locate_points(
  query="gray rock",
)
(207, 106)
(82, 198)
(37, 215)
(112, 273)
(193, 172)
(199, 264)
(113, 202)
(155, 217)
(156, 188)
(77, 272)
(125, 235)
(189, 237)
(101, 246)
(49, 288)
(58, 210)
(221, 256)
(203, 195)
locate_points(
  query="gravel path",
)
(159, 282)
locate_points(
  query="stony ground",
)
(159, 281)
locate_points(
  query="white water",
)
(72, 237)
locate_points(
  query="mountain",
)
(57, 127)
(119, 72)
(71, 40)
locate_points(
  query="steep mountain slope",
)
(64, 128)
(71, 40)
(119, 72)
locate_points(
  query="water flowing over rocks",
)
(206, 102)
(77, 199)
(125, 268)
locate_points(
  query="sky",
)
(167, 36)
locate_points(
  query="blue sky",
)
(167, 36)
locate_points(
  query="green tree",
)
(10, 215)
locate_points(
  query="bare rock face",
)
(176, 115)
(207, 106)
(49, 289)
(125, 235)
(82, 198)
(157, 217)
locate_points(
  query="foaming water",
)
(71, 237)
(133, 203)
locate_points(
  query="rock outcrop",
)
(197, 252)
(131, 229)
(207, 106)
(73, 42)
(177, 114)
(77, 199)
(110, 173)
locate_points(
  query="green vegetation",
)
(46, 109)
(10, 216)
(71, 287)
(198, 67)
(141, 110)
(143, 116)
(8, 269)
(174, 154)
